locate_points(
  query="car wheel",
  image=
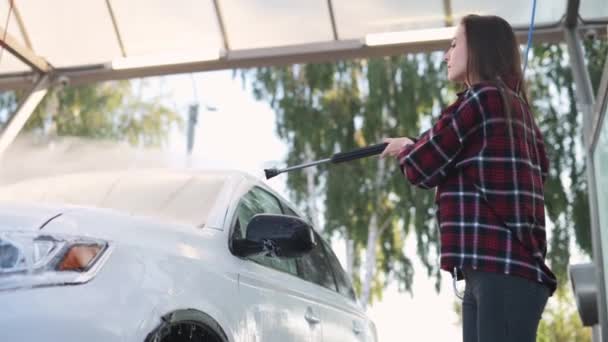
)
(187, 326)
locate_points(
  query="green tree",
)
(108, 111)
(566, 198)
(561, 321)
(340, 106)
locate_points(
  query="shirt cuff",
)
(406, 149)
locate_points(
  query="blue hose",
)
(530, 31)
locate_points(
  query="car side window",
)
(345, 287)
(288, 211)
(258, 201)
(314, 266)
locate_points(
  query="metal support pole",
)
(584, 92)
(23, 112)
(585, 103)
(192, 120)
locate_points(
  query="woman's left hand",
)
(395, 145)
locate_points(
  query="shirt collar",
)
(510, 81)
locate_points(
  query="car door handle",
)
(357, 328)
(311, 318)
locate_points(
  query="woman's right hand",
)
(395, 146)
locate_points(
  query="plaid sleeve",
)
(426, 162)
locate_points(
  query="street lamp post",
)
(193, 112)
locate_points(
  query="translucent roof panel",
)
(268, 23)
(355, 19)
(70, 32)
(516, 12)
(592, 10)
(153, 27)
(99, 40)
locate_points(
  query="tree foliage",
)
(561, 321)
(566, 197)
(108, 111)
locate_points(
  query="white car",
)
(161, 256)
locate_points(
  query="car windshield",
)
(180, 196)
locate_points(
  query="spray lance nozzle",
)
(271, 173)
(335, 159)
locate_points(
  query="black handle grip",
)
(358, 153)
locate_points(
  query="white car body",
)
(161, 265)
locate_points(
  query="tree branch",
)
(383, 227)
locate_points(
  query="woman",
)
(485, 155)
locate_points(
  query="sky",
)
(240, 134)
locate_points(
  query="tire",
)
(187, 326)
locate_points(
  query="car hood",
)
(108, 225)
(26, 217)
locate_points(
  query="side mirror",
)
(276, 235)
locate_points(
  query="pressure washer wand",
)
(335, 159)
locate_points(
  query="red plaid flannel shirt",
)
(489, 187)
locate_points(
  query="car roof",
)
(184, 196)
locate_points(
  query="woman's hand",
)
(395, 145)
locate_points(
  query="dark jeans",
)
(501, 308)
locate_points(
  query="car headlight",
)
(33, 260)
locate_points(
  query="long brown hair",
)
(493, 52)
(493, 55)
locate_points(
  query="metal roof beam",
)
(123, 51)
(221, 25)
(21, 24)
(332, 17)
(23, 53)
(23, 112)
(571, 19)
(447, 9)
(260, 57)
